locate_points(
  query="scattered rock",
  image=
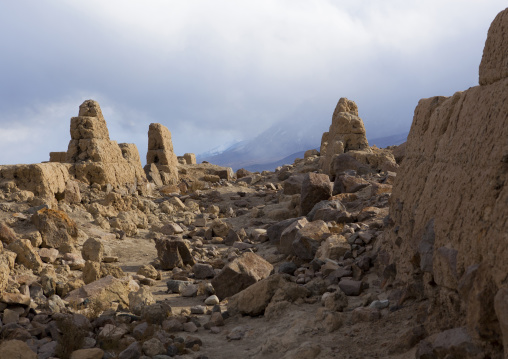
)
(244, 271)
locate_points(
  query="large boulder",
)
(254, 299)
(244, 271)
(93, 250)
(293, 185)
(173, 252)
(315, 188)
(346, 162)
(309, 238)
(16, 349)
(288, 235)
(274, 232)
(107, 290)
(56, 227)
(26, 254)
(449, 207)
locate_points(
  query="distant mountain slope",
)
(272, 145)
(275, 147)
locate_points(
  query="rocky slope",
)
(102, 259)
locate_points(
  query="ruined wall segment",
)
(97, 159)
(160, 152)
(91, 158)
(449, 233)
(494, 64)
(347, 135)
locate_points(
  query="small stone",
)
(91, 353)
(212, 300)
(172, 350)
(153, 347)
(10, 316)
(333, 321)
(198, 309)
(190, 327)
(133, 351)
(237, 333)
(172, 325)
(190, 291)
(288, 268)
(148, 271)
(48, 255)
(351, 287)
(334, 301)
(203, 271)
(363, 314)
(176, 286)
(191, 341)
(242, 246)
(380, 304)
(216, 320)
(110, 259)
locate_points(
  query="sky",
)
(220, 71)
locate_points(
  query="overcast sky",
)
(219, 71)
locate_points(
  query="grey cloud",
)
(213, 83)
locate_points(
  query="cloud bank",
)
(215, 72)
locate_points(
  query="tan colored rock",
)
(91, 272)
(26, 254)
(160, 152)
(311, 153)
(288, 235)
(148, 271)
(92, 353)
(6, 264)
(16, 349)
(190, 158)
(107, 289)
(308, 239)
(333, 248)
(7, 235)
(112, 270)
(56, 227)
(254, 299)
(173, 252)
(399, 152)
(377, 158)
(494, 65)
(140, 299)
(316, 187)
(244, 271)
(130, 153)
(72, 193)
(43, 179)
(449, 201)
(48, 255)
(60, 157)
(93, 250)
